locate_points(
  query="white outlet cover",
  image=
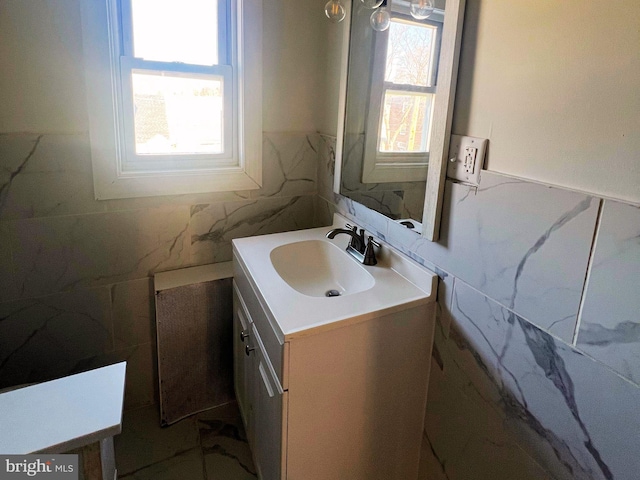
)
(456, 168)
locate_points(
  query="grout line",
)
(594, 242)
(508, 309)
(565, 188)
(573, 348)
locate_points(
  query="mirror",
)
(398, 88)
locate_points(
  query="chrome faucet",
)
(362, 252)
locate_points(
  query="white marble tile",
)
(41, 337)
(212, 227)
(141, 383)
(8, 286)
(16, 150)
(52, 178)
(445, 300)
(389, 203)
(143, 203)
(289, 165)
(143, 442)
(610, 323)
(187, 465)
(573, 415)
(132, 310)
(464, 440)
(224, 444)
(61, 253)
(430, 468)
(374, 222)
(523, 244)
(323, 212)
(326, 165)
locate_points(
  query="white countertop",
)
(400, 283)
(63, 414)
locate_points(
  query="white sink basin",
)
(291, 273)
(318, 268)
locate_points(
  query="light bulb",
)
(380, 19)
(372, 3)
(334, 11)
(421, 9)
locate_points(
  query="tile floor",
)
(208, 446)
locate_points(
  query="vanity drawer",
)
(274, 349)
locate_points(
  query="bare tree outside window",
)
(407, 107)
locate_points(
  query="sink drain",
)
(332, 293)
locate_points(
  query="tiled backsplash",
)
(75, 289)
(535, 364)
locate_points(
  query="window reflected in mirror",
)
(391, 90)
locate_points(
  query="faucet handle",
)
(353, 243)
(371, 241)
(369, 253)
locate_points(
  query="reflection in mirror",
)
(389, 109)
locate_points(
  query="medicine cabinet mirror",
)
(396, 105)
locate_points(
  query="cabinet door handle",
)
(243, 335)
(248, 349)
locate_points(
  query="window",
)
(174, 95)
(403, 89)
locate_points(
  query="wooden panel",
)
(357, 398)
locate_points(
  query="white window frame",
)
(387, 167)
(108, 64)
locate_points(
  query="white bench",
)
(78, 411)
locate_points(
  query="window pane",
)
(405, 122)
(410, 54)
(177, 114)
(176, 30)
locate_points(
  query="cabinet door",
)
(242, 364)
(268, 427)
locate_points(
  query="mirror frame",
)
(442, 113)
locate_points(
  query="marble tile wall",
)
(75, 273)
(610, 323)
(535, 365)
(572, 415)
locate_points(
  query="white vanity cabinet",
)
(259, 394)
(337, 402)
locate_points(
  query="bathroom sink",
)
(318, 268)
(292, 272)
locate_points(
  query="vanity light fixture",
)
(334, 10)
(421, 9)
(381, 18)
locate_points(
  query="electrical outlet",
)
(466, 156)
(470, 155)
